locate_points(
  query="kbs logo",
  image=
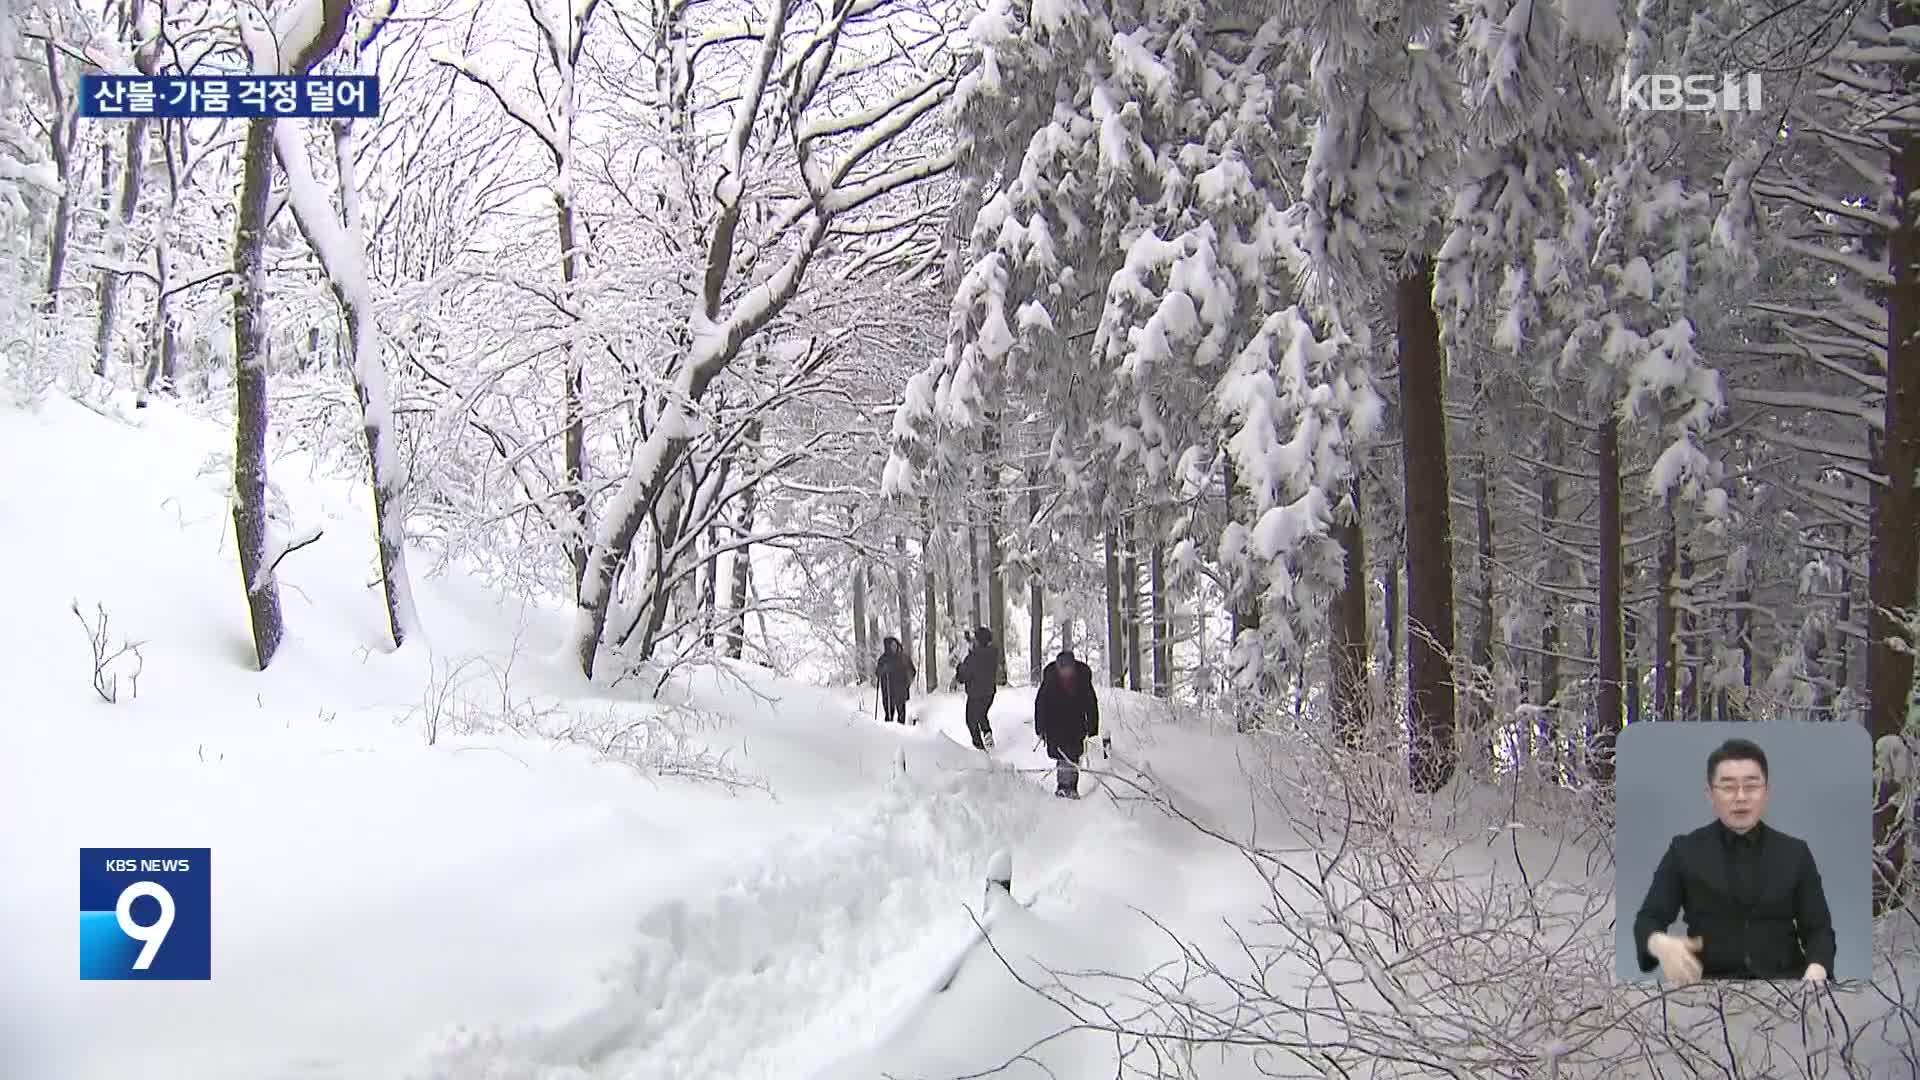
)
(146, 913)
(1692, 93)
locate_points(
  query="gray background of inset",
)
(1821, 781)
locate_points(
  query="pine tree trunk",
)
(1894, 553)
(1481, 653)
(1116, 627)
(1036, 590)
(1162, 605)
(1348, 651)
(973, 571)
(949, 583)
(1430, 632)
(1549, 725)
(1130, 569)
(931, 638)
(1631, 633)
(1243, 602)
(996, 575)
(1743, 626)
(251, 415)
(1390, 602)
(903, 591)
(1612, 641)
(1664, 684)
(1837, 644)
(1690, 642)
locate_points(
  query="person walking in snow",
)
(1066, 714)
(894, 673)
(979, 673)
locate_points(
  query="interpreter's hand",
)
(1816, 974)
(1679, 957)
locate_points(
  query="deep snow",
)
(496, 904)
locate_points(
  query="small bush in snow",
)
(30, 362)
(110, 661)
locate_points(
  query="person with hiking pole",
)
(980, 674)
(893, 673)
(1066, 715)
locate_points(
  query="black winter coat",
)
(895, 671)
(980, 671)
(1755, 901)
(1063, 717)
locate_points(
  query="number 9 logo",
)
(150, 936)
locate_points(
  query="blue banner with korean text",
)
(243, 97)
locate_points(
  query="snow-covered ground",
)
(502, 903)
(458, 862)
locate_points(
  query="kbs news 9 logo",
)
(146, 913)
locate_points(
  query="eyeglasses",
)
(1749, 787)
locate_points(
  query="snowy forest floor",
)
(736, 882)
(458, 862)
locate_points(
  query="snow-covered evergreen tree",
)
(1131, 273)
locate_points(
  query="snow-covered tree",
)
(1131, 275)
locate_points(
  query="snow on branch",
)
(529, 118)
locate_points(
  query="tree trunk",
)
(1116, 627)
(668, 526)
(251, 415)
(1630, 631)
(161, 359)
(710, 588)
(1612, 624)
(1130, 570)
(377, 422)
(113, 277)
(60, 136)
(1690, 643)
(1430, 637)
(949, 578)
(862, 648)
(1162, 606)
(903, 591)
(573, 408)
(973, 570)
(931, 653)
(1837, 644)
(1664, 682)
(996, 576)
(1348, 651)
(1549, 726)
(1036, 589)
(1481, 652)
(1893, 561)
(1244, 604)
(1390, 586)
(742, 587)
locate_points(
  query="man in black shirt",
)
(1754, 905)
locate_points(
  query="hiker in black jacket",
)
(1066, 714)
(894, 673)
(979, 673)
